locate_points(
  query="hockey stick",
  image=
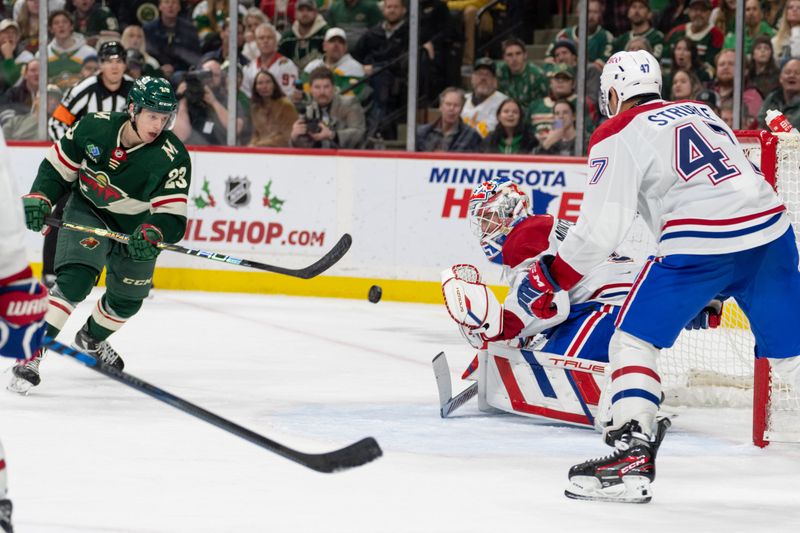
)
(323, 264)
(356, 454)
(449, 403)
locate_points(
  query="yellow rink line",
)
(331, 287)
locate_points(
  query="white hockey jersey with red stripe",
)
(682, 169)
(607, 283)
(12, 228)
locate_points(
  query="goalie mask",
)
(495, 207)
(629, 74)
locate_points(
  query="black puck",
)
(375, 294)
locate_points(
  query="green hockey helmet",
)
(155, 94)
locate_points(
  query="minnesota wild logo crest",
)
(97, 187)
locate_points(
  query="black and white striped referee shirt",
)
(88, 96)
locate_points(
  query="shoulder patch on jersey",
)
(616, 124)
(528, 239)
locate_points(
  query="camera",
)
(312, 125)
(195, 86)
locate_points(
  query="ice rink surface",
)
(86, 454)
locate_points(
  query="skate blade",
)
(634, 489)
(19, 386)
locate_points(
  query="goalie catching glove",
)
(472, 304)
(143, 244)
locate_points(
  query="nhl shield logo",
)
(237, 191)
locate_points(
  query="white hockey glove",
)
(709, 317)
(471, 304)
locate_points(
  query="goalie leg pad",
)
(635, 383)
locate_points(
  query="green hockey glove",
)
(143, 245)
(36, 207)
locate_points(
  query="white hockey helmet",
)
(629, 74)
(494, 208)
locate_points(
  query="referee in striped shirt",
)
(105, 91)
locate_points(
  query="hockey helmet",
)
(629, 74)
(111, 49)
(155, 94)
(495, 207)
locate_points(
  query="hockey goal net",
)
(716, 367)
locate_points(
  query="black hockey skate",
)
(5, 516)
(626, 474)
(101, 350)
(26, 374)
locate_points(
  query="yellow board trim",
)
(323, 286)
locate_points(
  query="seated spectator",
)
(726, 113)
(685, 85)
(133, 37)
(25, 126)
(346, 70)
(92, 20)
(202, 117)
(284, 70)
(710, 98)
(565, 52)
(252, 19)
(480, 109)
(762, 72)
(562, 87)
(785, 98)
(724, 16)
(14, 54)
(684, 55)
(172, 39)
(283, 13)
(448, 133)
(354, 16)
(383, 52)
(513, 134)
(19, 98)
(331, 120)
(600, 44)
(209, 16)
(271, 113)
(467, 11)
(519, 78)
(639, 16)
(772, 10)
(705, 35)
(560, 139)
(754, 26)
(670, 16)
(786, 42)
(220, 53)
(723, 83)
(66, 52)
(638, 43)
(26, 14)
(303, 41)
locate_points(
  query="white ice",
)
(86, 454)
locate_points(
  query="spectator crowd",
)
(333, 73)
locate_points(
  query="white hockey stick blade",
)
(447, 403)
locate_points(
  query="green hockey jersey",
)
(125, 187)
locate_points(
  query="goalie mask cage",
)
(716, 367)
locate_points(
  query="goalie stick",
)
(356, 454)
(449, 403)
(324, 263)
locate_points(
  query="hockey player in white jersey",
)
(511, 236)
(23, 300)
(721, 232)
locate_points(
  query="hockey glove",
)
(709, 317)
(23, 305)
(143, 245)
(36, 207)
(542, 282)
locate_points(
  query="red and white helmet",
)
(629, 74)
(494, 208)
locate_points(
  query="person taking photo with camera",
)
(330, 120)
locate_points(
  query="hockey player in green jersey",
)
(128, 173)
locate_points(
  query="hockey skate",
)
(5, 516)
(626, 474)
(25, 375)
(101, 350)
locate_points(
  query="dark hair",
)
(771, 68)
(57, 12)
(514, 41)
(523, 128)
(692, 46)
(694, 82)
(565, 101)
(277, 92)
(321, 73)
